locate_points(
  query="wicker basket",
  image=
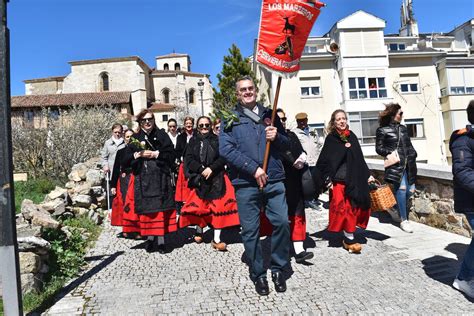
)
(381, 198)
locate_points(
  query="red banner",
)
(284, 28)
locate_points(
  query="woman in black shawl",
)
(212, 199)
(341, 163)
(153, 197)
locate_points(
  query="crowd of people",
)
(208, 175)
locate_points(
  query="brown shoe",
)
(221, 246)
(198, 239)
(352, 248)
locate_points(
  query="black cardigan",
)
(334, 153)
(213, 187)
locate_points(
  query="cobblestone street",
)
(396, 273)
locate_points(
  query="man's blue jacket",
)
(461, 145)
(243, 147)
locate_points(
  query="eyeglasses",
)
(147, 119)
(204, 125)
(250, 89)
(283, 119)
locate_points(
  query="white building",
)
(170, 90)
(430, 75)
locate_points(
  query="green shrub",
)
(34, 189)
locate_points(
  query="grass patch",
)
(34, 189)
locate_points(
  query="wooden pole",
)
(275, 102)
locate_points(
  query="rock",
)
(55, 207)
(459, 231)
(446, 192)
(29, 262)
(436, 220)
(83, 188)
(97, 191)
(94, 163)
(26, 230)
(28, 208)
(66, 231)
(94, 177)
(454, 220)
(45, 220)
(29, 283)
(78, 172)
(102, 201)
(93, 206)
(70, 185)
(444, 207)
(57, 193)
(82, 200)
(79, 211)
(33, 244)
(44, 268)
(423, 206)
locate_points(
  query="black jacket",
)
(461, 146)
(202, 152)
(387, 140)
(181, 143)
(153, 187)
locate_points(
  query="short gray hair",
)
(246, 77)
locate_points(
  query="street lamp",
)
(201, 89)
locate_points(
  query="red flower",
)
(345, 135)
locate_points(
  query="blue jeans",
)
(403, 192)
(249, 201)
(467, 267)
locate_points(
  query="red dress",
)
(182, 190)
(218, 213)
(130, 219)
(342, 215)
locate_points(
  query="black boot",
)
(279, 281)
(261, 286)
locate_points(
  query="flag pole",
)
(275, 102)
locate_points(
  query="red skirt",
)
(218, 213)
(158, 224)
(342, 216)
(182, 190)
(116, 217)
(297, 227)
(130, 220)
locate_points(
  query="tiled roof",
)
(67, 99)
(161, 107)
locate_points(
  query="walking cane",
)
(108, 191)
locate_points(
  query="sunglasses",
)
(283, 119)
(204, 125)
(148, 119)
(401, 113)
(243, 89)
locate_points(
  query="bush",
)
(75, 137)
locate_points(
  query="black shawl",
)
(202, 152)
(333, 154)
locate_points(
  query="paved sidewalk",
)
(396, 273)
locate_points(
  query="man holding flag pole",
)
(255, 169)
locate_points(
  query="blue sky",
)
(46, 34)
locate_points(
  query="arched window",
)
(177, 67)
(104, 81)
(191, 96)
(166, 67)
(166, 95)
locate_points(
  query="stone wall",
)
(83, 195)
(432, 203)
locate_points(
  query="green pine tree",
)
(234, 67)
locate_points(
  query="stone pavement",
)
(396, 273)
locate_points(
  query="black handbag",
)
(308, 184)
